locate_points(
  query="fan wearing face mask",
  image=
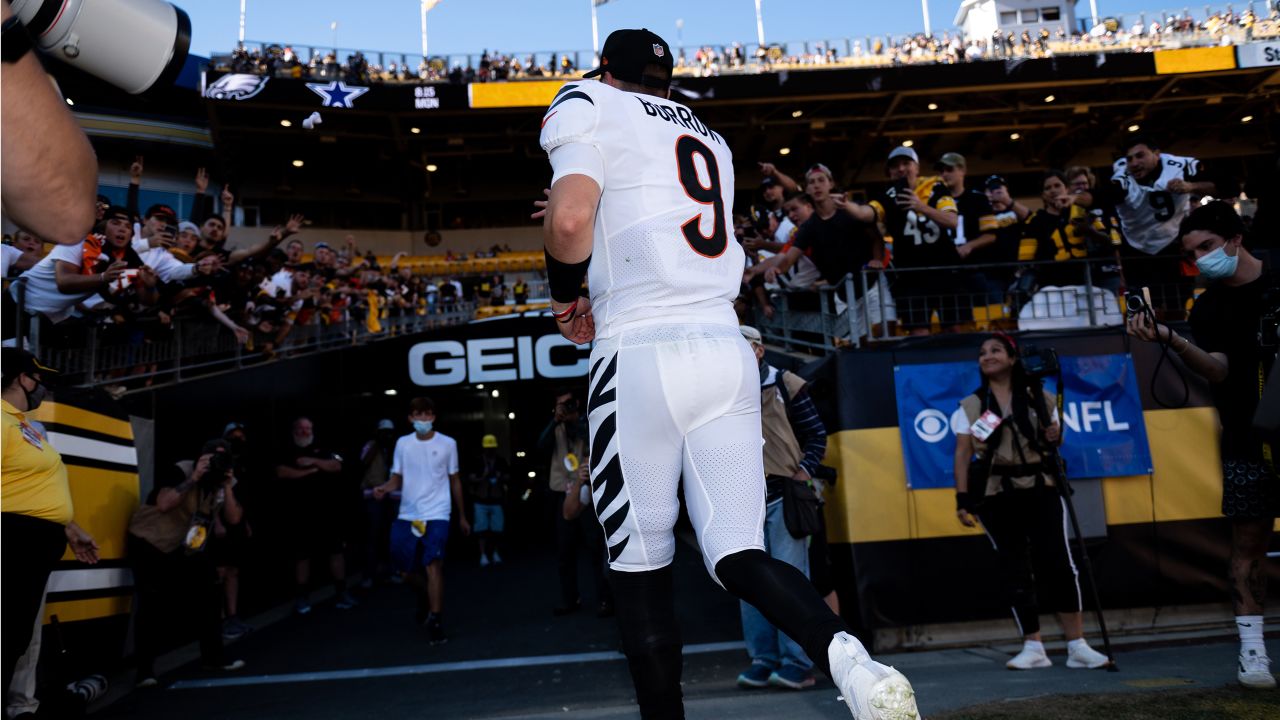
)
(1232, 352)
(37, 521)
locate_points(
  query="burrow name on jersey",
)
(679, 116)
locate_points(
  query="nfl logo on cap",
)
(657, 50)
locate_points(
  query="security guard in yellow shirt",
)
(36, 523)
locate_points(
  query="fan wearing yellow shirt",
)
(36, 524)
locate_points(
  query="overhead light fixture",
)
(415, 131)
(511, 416)
(908, 143)
(479, 386)
(70, 101)
(389, 391)
(494, 393)
(1015, 136)
(784, 151)
(933, 106)
(298, 163)
(797, 113)
(433, 168)
(285, 123)
(1135, 127)
(520, 454)
(1049, 98)
(1246, 118)
(533, 474)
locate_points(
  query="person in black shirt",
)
(976, 230)
(316, 519)
(839, 243)
(1225, 322)
(1010, 216)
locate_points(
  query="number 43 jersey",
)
(664, 251)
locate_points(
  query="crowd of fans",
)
(937, 252)
(1221, 27)
(139, 273)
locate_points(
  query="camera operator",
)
(1226, 321)
(565, 440)
(46, 163)
(167, 542)
(1012, 490)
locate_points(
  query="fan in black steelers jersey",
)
(639, 206)
(920, 215)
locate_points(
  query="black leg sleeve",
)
(786, 598)
(1005, 518)
(645, 604)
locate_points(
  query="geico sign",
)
(501, 359)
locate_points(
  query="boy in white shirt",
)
(424, 468)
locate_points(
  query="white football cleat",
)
(871, 690)
(1255, 670)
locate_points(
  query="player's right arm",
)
(568, 228)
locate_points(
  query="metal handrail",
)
(830, 328)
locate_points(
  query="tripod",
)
(1054, 460)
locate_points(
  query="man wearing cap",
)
(487, 488)
(188, 241)
(640, 204)
(920, 215)
(794, 444)
(37, 520)
(976, 231)
(1010, 216)
(231, 548)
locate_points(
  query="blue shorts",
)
(488, 518)
(409, 552)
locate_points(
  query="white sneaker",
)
(1255, 670)
(484, 561)
(871, 690)
(1029, 659)
(1085, 657)
(497, 559)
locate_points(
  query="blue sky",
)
(469, 26)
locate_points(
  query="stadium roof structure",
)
(417, 155)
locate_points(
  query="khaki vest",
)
(782, 452)
(1006, 453)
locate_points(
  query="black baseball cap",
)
(17, 361)
(115, 212)
(627, 53)
(995, 181)
(162, 210)
(767, 183)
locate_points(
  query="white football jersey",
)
(664, 250)
(1150, 214)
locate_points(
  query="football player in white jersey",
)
(640, 206)
(1151, 193)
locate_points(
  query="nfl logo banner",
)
(1105, 434)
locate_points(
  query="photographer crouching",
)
(1003, 448)
(168, 537)
(1226, 322)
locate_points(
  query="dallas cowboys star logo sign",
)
(337, 94)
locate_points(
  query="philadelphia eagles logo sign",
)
(236, 86)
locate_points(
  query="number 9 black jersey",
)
(664, 249)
